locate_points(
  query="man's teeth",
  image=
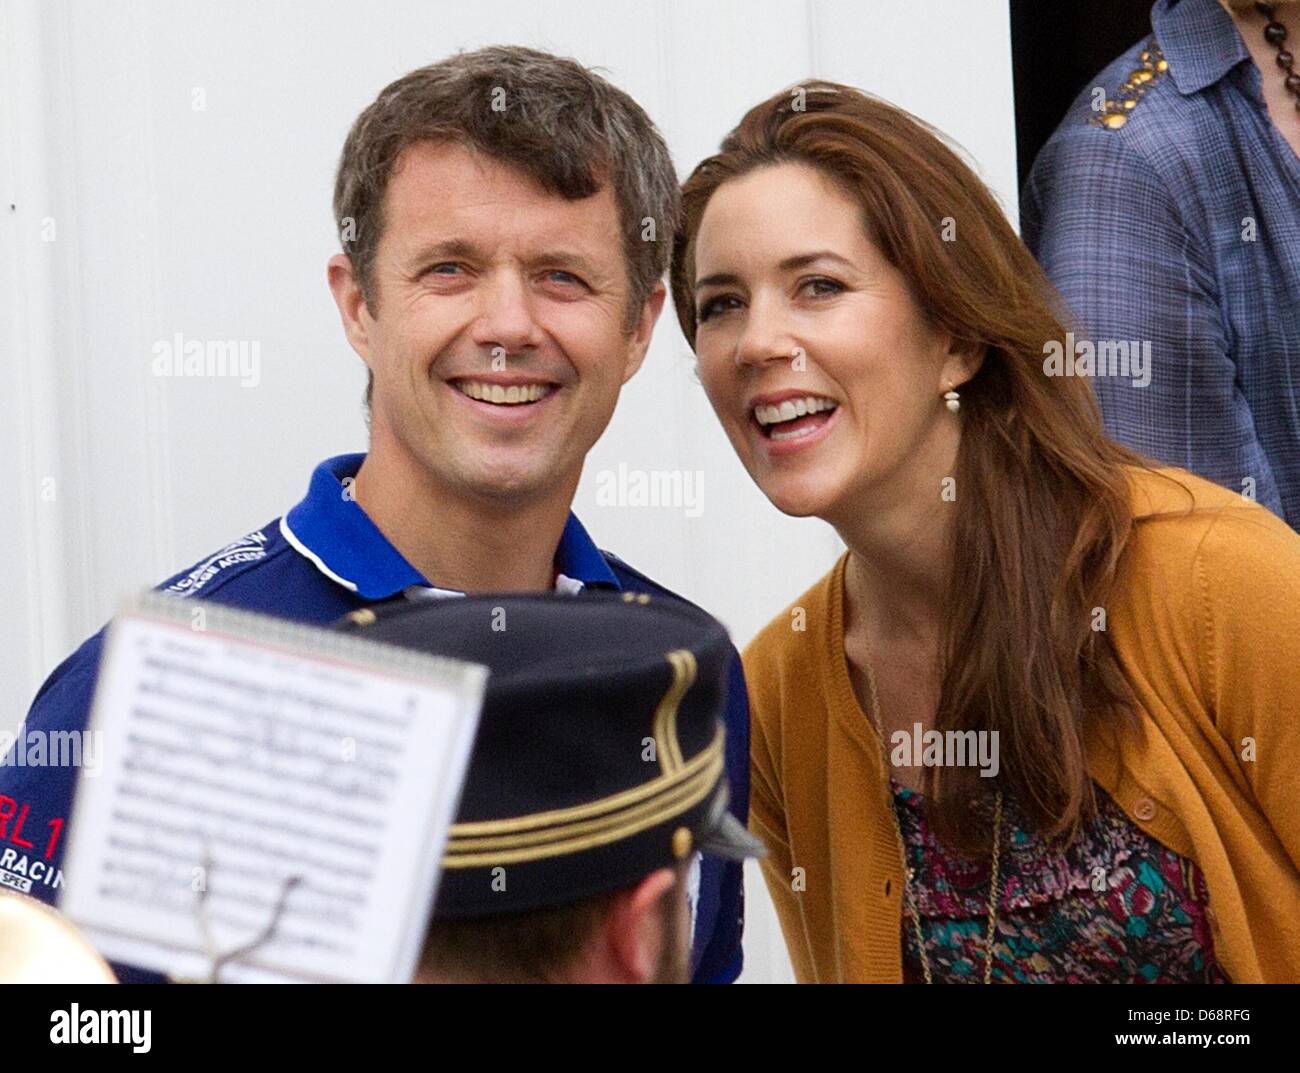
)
(513, 395)
(790, 409)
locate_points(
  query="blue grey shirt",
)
(1176, 223)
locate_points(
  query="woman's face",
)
(819, 363)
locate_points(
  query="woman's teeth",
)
(792, 410)
(791, 434)
(514, 395)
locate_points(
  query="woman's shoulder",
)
(1194, 541)
(1176, 510)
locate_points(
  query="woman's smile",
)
(788, 422)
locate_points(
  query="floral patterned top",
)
(1115, 906)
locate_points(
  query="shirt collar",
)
(1200, 41)
(331, 530)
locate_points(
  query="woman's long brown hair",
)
(1043, 500)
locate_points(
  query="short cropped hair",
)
(539, 945)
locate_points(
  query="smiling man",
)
(506, 218)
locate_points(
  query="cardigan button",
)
(1144, 808)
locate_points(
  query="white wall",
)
(137, 215)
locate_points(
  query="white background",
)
(135, 216)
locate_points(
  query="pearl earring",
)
(952, 400)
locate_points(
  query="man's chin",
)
(515, 484)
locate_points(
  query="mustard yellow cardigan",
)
(1205, 617)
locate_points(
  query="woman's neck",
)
(900, 543)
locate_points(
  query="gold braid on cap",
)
(557, 832)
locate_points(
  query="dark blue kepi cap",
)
(600, 752)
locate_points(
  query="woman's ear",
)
(962, 362)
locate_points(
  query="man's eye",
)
(445, 268)
(558, 275)
(721, 304)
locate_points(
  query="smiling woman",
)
(844, 287)
(870, 333)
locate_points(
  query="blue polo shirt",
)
(318, 562)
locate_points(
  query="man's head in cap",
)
(597, 773)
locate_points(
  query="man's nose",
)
(506, 321)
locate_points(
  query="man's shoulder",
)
(238, 567)
(250, 571)
(1128, 125)
(634, 580)
(1127, 98)
(253, 552)
(266, 571)
(1132, 120)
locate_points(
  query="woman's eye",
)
(822, 286)
(713, 306)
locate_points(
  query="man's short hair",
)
(540, 945)
(549, 117)
(529, 947)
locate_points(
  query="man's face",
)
(499, 345)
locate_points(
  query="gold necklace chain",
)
(902, 849)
